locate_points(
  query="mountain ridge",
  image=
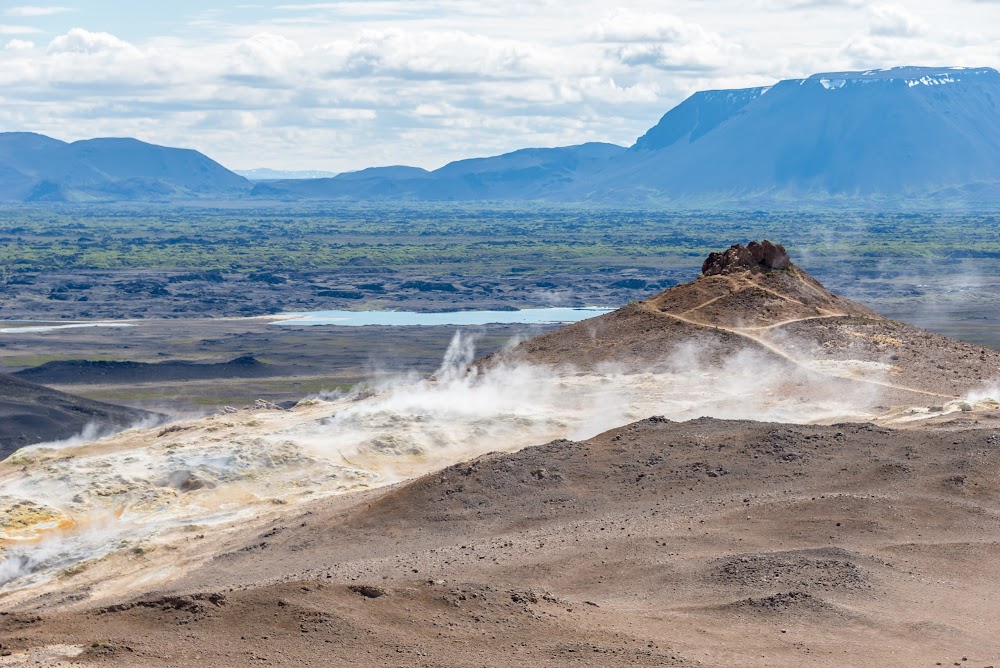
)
(34, 167)
(892, 136)
(897, 137)
(527, 173)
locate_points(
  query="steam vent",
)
(756, 256)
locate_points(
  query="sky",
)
(347, 84)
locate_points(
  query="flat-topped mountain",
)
(877, 134)
(36, 168)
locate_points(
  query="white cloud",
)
(869, 52)
(662, 41)
(437, 54)
(895, 21)
(685, 57)
(629, 26)
(102, 65)
(265, 58)
(34, 10)
(19, 45)
(83, 41)
(18, 30)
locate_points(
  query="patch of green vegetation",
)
(455, 238)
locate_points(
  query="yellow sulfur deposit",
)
(26, 520)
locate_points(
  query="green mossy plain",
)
(456, 238)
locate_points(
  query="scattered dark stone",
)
(143, 287)
(781, 601)
(213, 276)
(341, 294)
(267, 277)
(192, 603)
(368, 591)
(428, 286)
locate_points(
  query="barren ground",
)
(705, 543)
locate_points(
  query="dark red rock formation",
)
(756, 257)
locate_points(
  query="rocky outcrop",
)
(755, 257)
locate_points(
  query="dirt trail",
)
(745, 333)
(790, 321)
(735, 288)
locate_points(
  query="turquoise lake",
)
(534, 316)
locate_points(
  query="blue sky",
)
(345, 84)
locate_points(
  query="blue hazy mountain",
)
(528, 174)
(697, 116)
(909, 134)
(883, 135)
(904, 132)
(38, 168)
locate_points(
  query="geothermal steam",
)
(60, 507)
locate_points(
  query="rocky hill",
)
(754, 298)
(707, 543)
(88, 372)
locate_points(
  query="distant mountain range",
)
(36, 168)
(266, 174)
(909, 134)
(528, 174)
